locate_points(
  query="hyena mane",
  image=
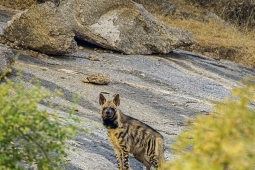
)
(129, 135)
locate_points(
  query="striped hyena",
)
(129, 135)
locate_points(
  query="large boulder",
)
(6, 55)
(122, 25)
(155, 6)
(42, 28)
(6, 60)
(7, 13)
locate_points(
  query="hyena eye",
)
(109, 109)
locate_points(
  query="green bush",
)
(223, 140)
(29, 136)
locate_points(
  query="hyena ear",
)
(116, 100)
(102, 99)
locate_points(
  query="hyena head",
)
(109, 112)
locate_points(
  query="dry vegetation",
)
(17, 4)
(213, 38)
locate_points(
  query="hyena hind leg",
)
(154, 161)
(151, 152)
(141, 158)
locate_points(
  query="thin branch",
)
(29, 138)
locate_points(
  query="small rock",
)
(97, 79)
(133, 92)
(167, 8)
(93, 58)
(105, 92)
(67, 71)
(155, 102)
(143, 75)
(173, 104)
(3, 40)
(85, 80)
(45, 68)
(80, 48)
(44, 55)
(33, 53)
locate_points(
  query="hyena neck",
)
(110, 124)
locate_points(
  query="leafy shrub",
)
(223, 140)
(29, 136)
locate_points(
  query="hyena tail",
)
(160, 150)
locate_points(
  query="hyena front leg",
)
(125, 158)
(118, 154)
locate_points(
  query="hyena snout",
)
(108, 112)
